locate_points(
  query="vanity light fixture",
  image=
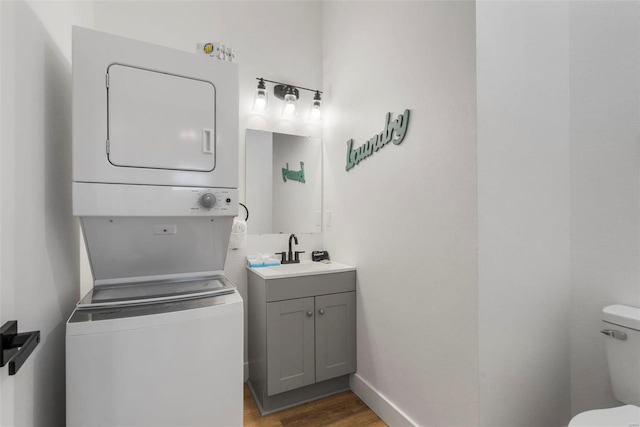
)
(290, 94)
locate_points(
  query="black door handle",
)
(15, 348)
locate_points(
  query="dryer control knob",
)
(207, 200)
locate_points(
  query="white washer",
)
(167, 364)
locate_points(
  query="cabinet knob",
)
(321, 311)
(309, 313)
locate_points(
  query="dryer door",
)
(159, 120)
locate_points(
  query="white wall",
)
(406, 216)
(559, 194)
(523, 212)
(277, 40)
(605, 173)
(39, 250)
(259, 180)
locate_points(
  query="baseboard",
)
(246, 371)
(379, 404)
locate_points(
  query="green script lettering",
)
(393, 131)
(350, 162)
(401, 127)
(293, 175)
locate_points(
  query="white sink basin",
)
(304, 268)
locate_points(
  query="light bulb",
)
(260, 100)
(316, 108)
(289, 108)
(260, 103)
(315, 113)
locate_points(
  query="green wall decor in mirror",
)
(293, 175)
(394, 131)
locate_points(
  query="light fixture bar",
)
(290, 94)
(287, 84)
(280, 91)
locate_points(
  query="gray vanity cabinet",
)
(290, 341)
(335, 335)
(302, 337)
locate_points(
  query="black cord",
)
(245, 208)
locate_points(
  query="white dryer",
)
(159, 339)
(146, 114)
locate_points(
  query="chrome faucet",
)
(291, 257)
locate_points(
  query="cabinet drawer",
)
(307, 286)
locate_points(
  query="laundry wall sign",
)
(293, 175)
(394, 131)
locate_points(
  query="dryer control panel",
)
(91, 199)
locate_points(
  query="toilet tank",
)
(622, 343)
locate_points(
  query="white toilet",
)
(622, 344)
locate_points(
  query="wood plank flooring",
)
(340, 410)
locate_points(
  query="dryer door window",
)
(160, 121)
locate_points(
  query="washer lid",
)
(621, 416)
(142, 249)
(622, 315)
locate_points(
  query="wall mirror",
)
(283, 183)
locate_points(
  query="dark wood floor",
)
(340, 410)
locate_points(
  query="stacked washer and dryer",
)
(158, 341)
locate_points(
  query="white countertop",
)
(304, 268)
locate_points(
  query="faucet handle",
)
(297, 255)
(283, 255)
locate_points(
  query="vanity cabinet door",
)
(290, 345)
(335, 335)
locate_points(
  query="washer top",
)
(130, 294)
(113, 319)
(621, 416)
